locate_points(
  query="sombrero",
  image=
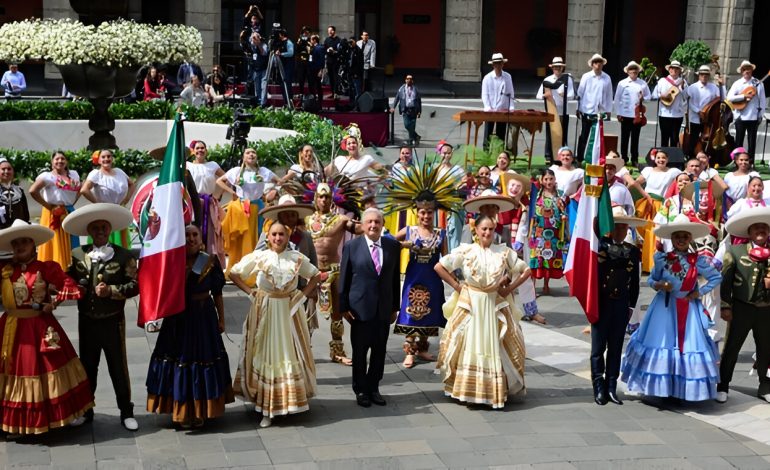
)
(77, 222)
(489, 197)
(738, 225)
(618, 163)
(526, 183)
(286, 203)
(160, 152)
(596, 57)
(746, 65)
(689, 189)
(674, 64)
(22, 229)
(620, 216)
(682, 223)
(632, 66)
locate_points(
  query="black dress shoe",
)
(377, 399)
(612, 394)
(600, 394)
(363, 400)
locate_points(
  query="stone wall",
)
(585, 25)
(206, 15)
(340, 13)
(463, 41)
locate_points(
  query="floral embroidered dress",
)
(672, 354)
(482, 353)
(548, 241)
(43, 384)
(276, 369)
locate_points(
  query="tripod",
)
(275, 67)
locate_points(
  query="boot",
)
(612, 394)
(600, 392)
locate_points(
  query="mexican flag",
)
(162, 259)
(594, 215)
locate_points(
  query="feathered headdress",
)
(345, 192)
(421, 184)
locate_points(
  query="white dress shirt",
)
(497, 92)
(620, 195)
(595, 93)
(378, 243)
(628, 94)
(756, 107)
(700, 95)
(679, 106)
(558, 93)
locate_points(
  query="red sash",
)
(683, 304)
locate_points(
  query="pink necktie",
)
(376, 257)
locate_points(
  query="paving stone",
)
(537, 440)
(249, 457)
(636, 438)
(110, 452)
(20, 454)
(418, 462)
(279, 456)
(241, 444)
(202, 461)
(446, 445)
(601, 438)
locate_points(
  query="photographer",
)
(258, 54)
(283, 47)
(252, 20)
(303, 50)
(331, 45)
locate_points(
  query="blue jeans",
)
(410, 123)
(260, 85)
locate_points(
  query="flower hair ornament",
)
(351, 131)
(421, 186)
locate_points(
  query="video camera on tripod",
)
(238, 130)
(274, 43)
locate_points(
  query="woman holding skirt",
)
(276, 369)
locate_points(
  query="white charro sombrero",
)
(287, 203)
(489, 197)
(682, 223)
(77, 222)
(22, 229)
(738, 225)
(620, 216)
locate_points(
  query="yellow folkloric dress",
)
(276, 369)
(482, 350)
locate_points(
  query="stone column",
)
(726, 26)
(339, 13)
(463, 41)
(585, 33)
(206, 15)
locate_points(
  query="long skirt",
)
(60, 247)
(43, 383)
(647, 212)
(189, 373)
(241, 230)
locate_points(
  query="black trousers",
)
(669, 131)
(695, 132)
(607, 335)
(585, 131)
(746, 127)
(498, 128)
(366, 336)
(629, 130)
(302, 74)
(746, 317)
(564, 124)
(314, 83)
(108, 335)
(331, 69)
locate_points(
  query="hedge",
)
(321, 133)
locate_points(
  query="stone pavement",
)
(555, 426)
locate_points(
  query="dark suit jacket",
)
(362, 292)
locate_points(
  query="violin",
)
(639, 118)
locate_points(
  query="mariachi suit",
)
(619, 290)
(101, 320)
(743, 291)
(371, 298)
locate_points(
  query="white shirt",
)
(369, 244)
(708, 174)
(619, 194)
(737, 186)
(204, 175)
(354, 168)
(657, 182)
(109, 188)
(253, 185)
(497, 92)
(628, 94)
(14, 83)
(744, 203)
(558, 93)
(568, 182)
(595, 93)
(55, 190)
(679, 106)
(700, 95)
(756, 107)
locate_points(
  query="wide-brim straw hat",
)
(632, 66)
(619, 216)
(557, 62)
(618, 163)
(746, 64)
(689, 190)
(704, 69)
(596, 57)
(160, 152)
(22, 229)
(675, 64)
(287, 204)
(682, 223)
(738, 225)
(497, 57)
(488, 197)
(77, 222)
(526, 183)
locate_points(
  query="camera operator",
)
(331, 45)
(283, 47)
(303, 49)
(257, 54)
(252, 20)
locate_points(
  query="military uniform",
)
(743, 290)
(619, 290)
(101, 320)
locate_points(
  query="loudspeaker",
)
(676, 157)
(367, 103)
(310, 104)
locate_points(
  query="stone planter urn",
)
(99, 85)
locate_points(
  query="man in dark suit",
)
(370, 299)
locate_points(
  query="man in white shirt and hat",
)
(554, 85)
(699, 94)
(748, 97)
(672, 104)
(497, 94)
(630, 93)
(594, 98)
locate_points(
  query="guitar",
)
(750, 92)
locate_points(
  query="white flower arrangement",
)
(118, 43)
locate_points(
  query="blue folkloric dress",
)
(423, 293)
(672, 354)
(189, 373)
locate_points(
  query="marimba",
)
(529, 119)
